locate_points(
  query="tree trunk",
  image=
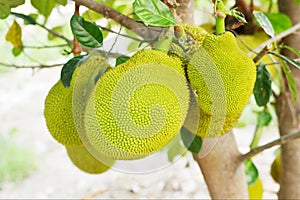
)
(289, 116)
(223, 172)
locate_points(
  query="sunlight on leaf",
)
(154, 12)
(4, 9)
(44, 7)
(264, 22)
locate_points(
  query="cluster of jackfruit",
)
(137, 108)
(126, 113)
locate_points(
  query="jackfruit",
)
(276, 169)
(223, 78)
(64, 106)
(58, 114)
(138, 107)
(255, 191)
(86, 162)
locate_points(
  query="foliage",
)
(153, 14)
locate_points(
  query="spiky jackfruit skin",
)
(198, 33)
(223, 89)
(138, 107)
(82, 159)
(58, 115)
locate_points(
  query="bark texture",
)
(289, 115)
(185, 11)
(223, 172)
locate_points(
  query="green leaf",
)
(191, 141)
(57, 29)
(154, 12)
(280, 22)
(69, 68)
(13, 3)
(251, 172)
(4, 9)
(44, 7)
(17, 51)
(61, 2)
(290, 79)
(121, 60)
(297, 1)
(287, 59)
(87, 33)
(14, 35)
(264, 22)
(262, 87)
(264, 118)
(91, 15)
(28, 19)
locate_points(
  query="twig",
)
(45, 47)
(276, 38)
(32, 66)
(107, 12)
(123, 35)
(282, 140)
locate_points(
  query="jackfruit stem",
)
(220, 14)
(256, 137)
(220, 25)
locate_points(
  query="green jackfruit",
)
(58, 115)
(223, 78)
(137, 107)
(64, 106)
(82, 159)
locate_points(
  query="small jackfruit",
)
(223, 78)
(137, 107)
(86, 162)
(276, 169)
(255, 191)
(58, 114)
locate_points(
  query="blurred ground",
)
(22, 95)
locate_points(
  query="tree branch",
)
(32, 66)
(282, 140)
(291, 30)
(107, 12)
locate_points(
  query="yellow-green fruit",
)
(255, 191)
(223, 77)
(59, 116)
(137, 107)
(253, 41)
(276, 169)
(82, 159)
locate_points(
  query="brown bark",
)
(288, 115)
(222, 170)
(185, 11)
(138, 28)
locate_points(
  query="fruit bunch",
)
(135, 109)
